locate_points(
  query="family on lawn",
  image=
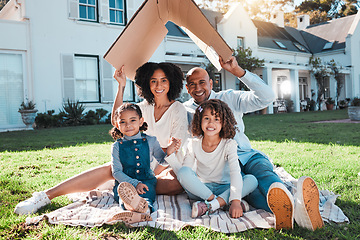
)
(216, 166)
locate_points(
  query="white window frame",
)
(117, 9)
(240, 42)
(98, 78)
(87, 5)
(25, 85)
(303, 88)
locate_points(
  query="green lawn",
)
(328, 152)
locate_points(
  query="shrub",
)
(91, 118)
(355, 102)
(73, 113)
(100, 113)
(49, 119)
(94, 117)
(329, 101)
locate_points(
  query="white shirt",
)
(218, 166)
(173, 123)
(240, 102)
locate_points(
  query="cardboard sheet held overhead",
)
(146, 30)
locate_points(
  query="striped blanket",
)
(96, 208)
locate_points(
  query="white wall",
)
(54, 34)
(237, 23)
(13, 35)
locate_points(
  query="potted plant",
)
(354, 110)
(28, 113)
(329, 103)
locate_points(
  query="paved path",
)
(339, 121)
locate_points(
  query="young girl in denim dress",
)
(132, 154)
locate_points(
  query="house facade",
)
(51, 56)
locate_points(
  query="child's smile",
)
(210, 124)
(129, 123)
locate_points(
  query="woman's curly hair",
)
(114, 132)
(172, 72)
(221, 110)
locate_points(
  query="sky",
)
(297, 2)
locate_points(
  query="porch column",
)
(294, 77)
(267, 77)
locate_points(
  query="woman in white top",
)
(217, 179)
(159, 84)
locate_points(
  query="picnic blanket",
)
(97, 207)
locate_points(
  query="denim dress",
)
(134, 156)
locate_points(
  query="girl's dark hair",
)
(220, 109)
(114, 132)
(172, 72)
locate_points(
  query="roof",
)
(271, 35)
(213, 17)
(175, 30)
(334, 31)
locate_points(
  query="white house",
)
(49, 56)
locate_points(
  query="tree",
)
(251, 7)
(321, 72)
(3, 3)
(245, 60)
(325, 10)
(339, 78)
(267, 8)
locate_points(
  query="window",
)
(303, 88)
(328, 45)
(217, 82)
(280, 44)
(129, 92)
(117, 13)
(11, 88)
(240, 42)
(86, 72)
(327, 87)
(88, 10)
(299, 46)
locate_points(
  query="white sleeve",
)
(260, 96)
(236, 182)
(179, 128)
(189, 158)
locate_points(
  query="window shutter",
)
(68, 77)
(73, 6)
(107, 82)
(104, 11)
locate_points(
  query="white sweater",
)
(219, 166)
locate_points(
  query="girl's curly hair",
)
(114, 132)
(172, 72)
(220, 109)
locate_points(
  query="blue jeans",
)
(198, 190)
(261, 167)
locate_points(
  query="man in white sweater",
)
(271, 195)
